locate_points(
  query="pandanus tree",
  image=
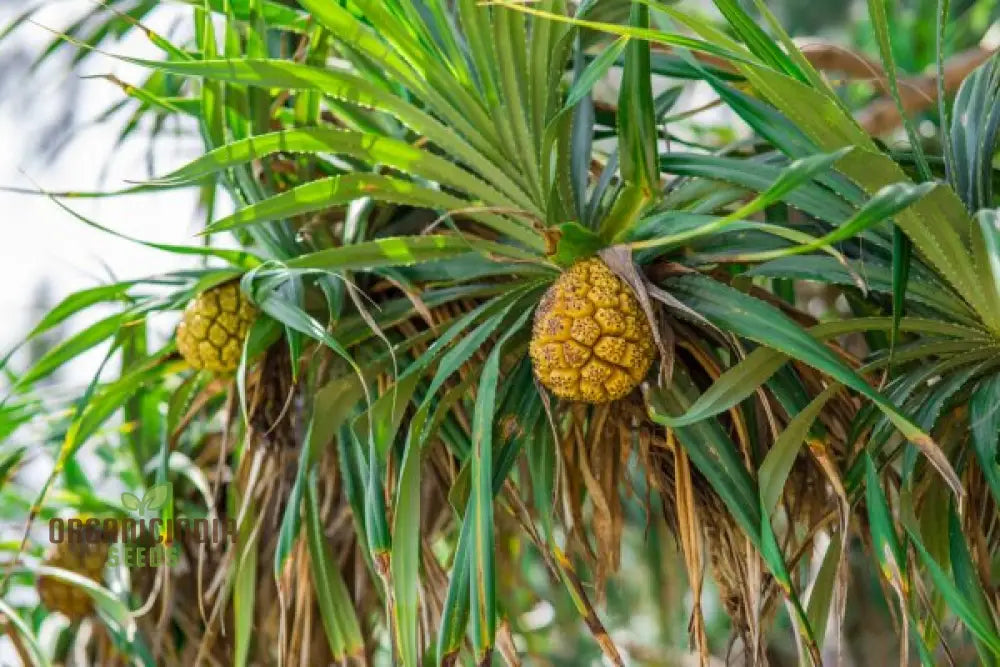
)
(477, 329)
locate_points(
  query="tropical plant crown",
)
(489, 363)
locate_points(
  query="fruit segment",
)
(213, 328)
(590, 341)
(84, 558)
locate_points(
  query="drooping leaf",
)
(751, 318)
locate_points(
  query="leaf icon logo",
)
(130, 502)
(155, 498)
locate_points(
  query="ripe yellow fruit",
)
(84, 558)
(213, 328)
(591, 341)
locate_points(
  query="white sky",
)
(43, 242)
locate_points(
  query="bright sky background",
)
(43, 242)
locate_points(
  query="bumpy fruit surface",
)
(591, 340)
(84, 558)
(213, 328)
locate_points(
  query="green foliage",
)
(409, 178)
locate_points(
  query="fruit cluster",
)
(591, 340)
(213, 328)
